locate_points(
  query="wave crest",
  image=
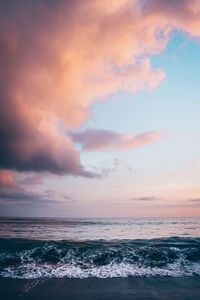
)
(73, 259)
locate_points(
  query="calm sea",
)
(80, 248)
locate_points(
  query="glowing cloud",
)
(99, 139)
(7, 179)
(57, 57)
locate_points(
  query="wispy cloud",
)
(12, 193)
(101, 139)
(67, 198)
(22, 197)
(106, 168)
(144, 198)
(194, 200)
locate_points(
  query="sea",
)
(33, 248)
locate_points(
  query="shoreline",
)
(138, 288)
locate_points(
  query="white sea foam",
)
(112, 270)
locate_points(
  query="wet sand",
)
(101, 289)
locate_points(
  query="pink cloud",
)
(7, 179)
(58, 57)
(99, 139)
(182, 15)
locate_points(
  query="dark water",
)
(80, 248)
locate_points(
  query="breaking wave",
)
(175, 257)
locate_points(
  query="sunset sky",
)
(100, 108)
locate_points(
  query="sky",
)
(99, 108)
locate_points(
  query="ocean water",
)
(103, 248)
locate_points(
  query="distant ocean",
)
(101, 248)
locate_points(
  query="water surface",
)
(103, 248)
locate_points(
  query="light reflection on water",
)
(94, 229)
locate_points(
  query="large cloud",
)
(57, 57)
